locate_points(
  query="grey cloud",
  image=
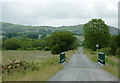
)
(103, 11)
(57, 13)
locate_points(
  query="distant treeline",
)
(57, 42)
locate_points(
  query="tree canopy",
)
(61, 41)
(96, 32)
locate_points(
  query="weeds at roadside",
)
(111, 61)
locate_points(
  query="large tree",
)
(96, 32)
(61, 41)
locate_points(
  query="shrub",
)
(46, 48)
(12, 44)
(107, 51)
(118, 52)
(39, 48)
(83, 43)
(19, 49)
(114, 44)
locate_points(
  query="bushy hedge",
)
(46, 49)
(23, 44)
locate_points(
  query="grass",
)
(9, 56)
(111, 61)
(92, 55)
(81, 38)
(48, 65)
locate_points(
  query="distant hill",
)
(114, 30)
(76, 29)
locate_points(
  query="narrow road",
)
(80, 68)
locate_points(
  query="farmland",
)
(9, 56)
(46, 64)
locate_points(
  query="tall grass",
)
(47, 67)
(111, 61)
(10, 55)
(91, 54)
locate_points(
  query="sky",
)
(59, 12)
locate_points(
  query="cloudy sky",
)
(59, 12)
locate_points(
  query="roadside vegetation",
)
(111, 64)
(97, 32)
(30, 67)
(34, 56)
(57, 42)
(31, 53)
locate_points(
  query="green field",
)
(81, 38)
(48, 64)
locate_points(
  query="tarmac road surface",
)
(80, 68)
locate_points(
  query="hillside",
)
(114, 30)
(76, 29)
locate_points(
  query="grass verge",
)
(69, 54)
(111, 61)
(47, 67)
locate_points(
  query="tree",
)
(12, 44)
(33, 35)
(115, 44)
(96, 32)
(61, 41)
